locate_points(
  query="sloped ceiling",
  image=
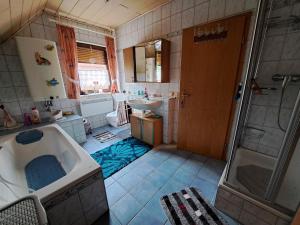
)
(111, 13)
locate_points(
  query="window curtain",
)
(112, 63)
(69, 59)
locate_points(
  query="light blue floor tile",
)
(114, 192)
(157, 178)
(144, 191)
(183, 176)
(168, 223)
(168, 167)
(192, 166)
(217, 165)
(198, 157)
(108, 181)
(171, 186)
(143, 169)
(145, 217)
(207, 188)
(155, 208)
(126, 208)
(130, 180)
(121, 173)
(211, 174)
(183, 154)
(155, 162)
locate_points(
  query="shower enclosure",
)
(264, 157)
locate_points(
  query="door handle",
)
(183, 96)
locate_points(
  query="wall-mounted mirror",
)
(148, 62)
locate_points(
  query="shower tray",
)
(254, 178)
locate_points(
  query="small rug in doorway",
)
(188, 207)
(119, 155)
(105, 136)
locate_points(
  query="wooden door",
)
(210, 69)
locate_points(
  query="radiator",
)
(92, 105)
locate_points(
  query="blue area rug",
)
(119, 155)
(43, 171)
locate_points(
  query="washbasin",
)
(144, 104)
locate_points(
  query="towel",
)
(122, 113)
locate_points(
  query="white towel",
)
(122, 113)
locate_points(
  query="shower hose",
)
(279, 109)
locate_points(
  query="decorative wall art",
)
(49, 47)
(52, 82)
(41, 60)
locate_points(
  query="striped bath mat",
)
(188, 207)
(105, 136)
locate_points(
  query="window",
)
(92, 69)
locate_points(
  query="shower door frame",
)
(293, 130)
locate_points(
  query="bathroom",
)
(251, 179)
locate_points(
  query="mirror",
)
(148, 62)
(140, 68)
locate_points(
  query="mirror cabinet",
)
(148, 62)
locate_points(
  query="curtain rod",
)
(81, 28)
(63, 20)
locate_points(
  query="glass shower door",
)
(267, 128)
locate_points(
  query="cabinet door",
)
(128, 58)
(165, 61)
(148, 132)
(135, 127)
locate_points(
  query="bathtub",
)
(73, 196)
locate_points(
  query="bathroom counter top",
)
(68, 118)
(4, 131)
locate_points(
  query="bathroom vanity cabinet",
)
(74, 126)
(147, 129)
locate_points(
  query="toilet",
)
(112, 117)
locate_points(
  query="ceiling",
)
(110, 13)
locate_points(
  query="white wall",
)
(14, 93)
(167, 22)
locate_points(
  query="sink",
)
(144, 104)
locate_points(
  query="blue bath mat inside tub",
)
(119, 155)
(43, 171)
(28, 137)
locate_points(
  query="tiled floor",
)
(93, 145)
(133, 193)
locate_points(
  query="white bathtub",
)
(77, 164)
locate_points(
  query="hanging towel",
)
(122, 113)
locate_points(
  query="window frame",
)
(105, 49)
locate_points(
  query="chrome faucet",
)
(146, 96)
